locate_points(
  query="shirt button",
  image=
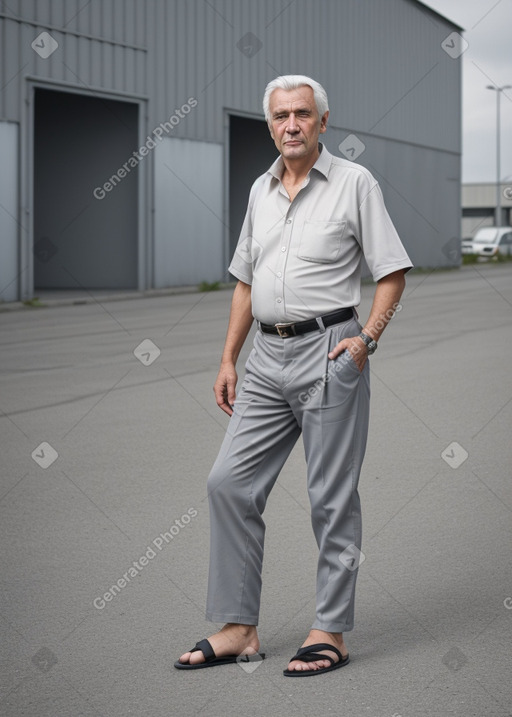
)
(288, 221)
(283, 248)
(279, 275)
(279, 300)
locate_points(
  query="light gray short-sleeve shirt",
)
(303, 258)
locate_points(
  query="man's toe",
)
(299, 666)
(192, 658)
(196, 657)
(303, 666)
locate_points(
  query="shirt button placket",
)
(280, 273)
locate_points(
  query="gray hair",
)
(293, 82)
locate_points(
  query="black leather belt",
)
(285, 331)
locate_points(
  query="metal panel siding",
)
(388, 78)
(141, 9)
(158, 71)
(189, 230)
(95, 21)
(113, 59)
(484, 195)
(11, 64)
(421, 189)
(382, 63)
(9, 213)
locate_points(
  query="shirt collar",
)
(322, 164)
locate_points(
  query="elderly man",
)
(311, 218)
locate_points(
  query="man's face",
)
(294, 122)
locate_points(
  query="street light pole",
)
(498, 90)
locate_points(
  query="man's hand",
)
(240, 321)
(385, 302)
(224, 387)
(357, 349)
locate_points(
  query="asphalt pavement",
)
(109, 429)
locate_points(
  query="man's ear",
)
(323, 122)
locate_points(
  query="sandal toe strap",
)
(310, 653)
(207, 650)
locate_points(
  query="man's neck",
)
(295, 170)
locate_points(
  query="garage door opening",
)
(251, 152)
(82, 240)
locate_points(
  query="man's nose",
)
(292, 125)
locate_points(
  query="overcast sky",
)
(488, 60)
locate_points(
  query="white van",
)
(490, 241)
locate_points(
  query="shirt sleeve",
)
(241, 263)
(381, 245)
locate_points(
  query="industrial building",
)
(479, 203)
(132, 130)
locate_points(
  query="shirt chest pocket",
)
(321, 241)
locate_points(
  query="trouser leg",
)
(260, 435)
(334, 422)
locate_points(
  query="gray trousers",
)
(291, 387)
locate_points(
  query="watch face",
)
(372, 347)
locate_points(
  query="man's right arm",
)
(240, 321)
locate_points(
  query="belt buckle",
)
(285, 330)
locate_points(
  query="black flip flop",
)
(211, 660)
(311, 654)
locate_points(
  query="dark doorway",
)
(83, 241)
(251, 152)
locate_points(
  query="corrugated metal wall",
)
(382, 63)
(189, 242)
(8, 211)
(101, 45)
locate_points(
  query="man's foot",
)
(233, 639)
(314, 637)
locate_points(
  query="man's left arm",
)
(387, 295)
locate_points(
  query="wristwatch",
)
(371, 344)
